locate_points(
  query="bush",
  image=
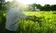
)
(2, 22)
(47, 25)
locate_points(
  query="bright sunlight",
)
(42, 2)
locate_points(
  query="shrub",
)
(47, 25)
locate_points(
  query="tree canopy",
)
(30, 7)
(2, 3)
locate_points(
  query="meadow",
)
(46, 22)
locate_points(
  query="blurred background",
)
(42, 10)
(30, 5)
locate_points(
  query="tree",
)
(32, 6)
(53, 7)
(7, 4)
(47, 7)
(2, 2)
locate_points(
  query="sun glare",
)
(8, 0)
(25, 1)
(42, 2)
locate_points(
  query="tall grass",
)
(47, 24)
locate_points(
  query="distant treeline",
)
(29, 7)
(46, 7)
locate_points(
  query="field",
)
(46, 23)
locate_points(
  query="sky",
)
(42, 2)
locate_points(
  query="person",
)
(13, 17)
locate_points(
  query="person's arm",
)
(23, 16)
(30, 18)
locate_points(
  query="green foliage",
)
(47, 24)
(2, 6)
(2, 22)
(46, 7)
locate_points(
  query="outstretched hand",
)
(33, 19)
